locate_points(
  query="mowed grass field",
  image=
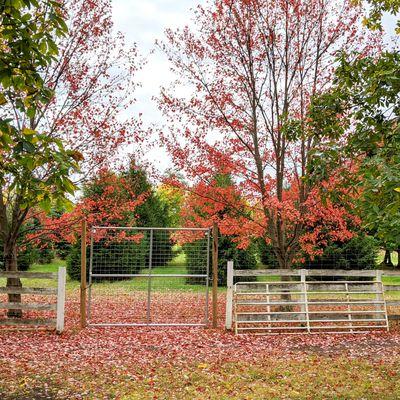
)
(190, 363)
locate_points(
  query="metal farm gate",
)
(148, 276)
(286, 307)
(342, 302)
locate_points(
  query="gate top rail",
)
(314, 272)
(146, 228)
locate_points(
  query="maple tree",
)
(254, 67)
(65, 110)
(111, 198)
(93, 80)
(108, 199)
(124, 197)
(197, 211)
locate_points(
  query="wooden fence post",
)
(62, 275)
(215, 275)
(229, 295)
(83, 275)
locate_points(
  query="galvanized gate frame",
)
(253, 307)
(149, 276)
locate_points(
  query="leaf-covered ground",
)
(194, 363)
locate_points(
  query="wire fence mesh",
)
(148, 276)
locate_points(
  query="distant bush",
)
(125, 257)
(227, 250)
(74, 261)
(358, 253)
(62, 249)
(26, 258)
(266, 254)
(242, 258)
(45, 255)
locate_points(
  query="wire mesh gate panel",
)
(148, 276)
(313, 306)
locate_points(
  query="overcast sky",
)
(143, 22)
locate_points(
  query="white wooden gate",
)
(306, 306)
(53, 307)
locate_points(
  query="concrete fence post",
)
(229, 296)
(62, 275)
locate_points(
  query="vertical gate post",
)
(148, 313)
(89, 288)
(62, 273)
(229, 295)
(215, 275)
(207, 278)
(83, 275)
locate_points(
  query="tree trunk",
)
(387, 260)
(10, 258)
(284, 264)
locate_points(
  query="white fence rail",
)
(58, 308)
(303, 305)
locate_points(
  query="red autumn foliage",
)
(324, 220)
(93, 81)
(112, 201)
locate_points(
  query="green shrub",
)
(127, 257)
(196, 260)
(358, 253)
(242, 259)
(74, 262)
(227, 251)
(266, 254)
(26, 258)
(153, 212)
(45, 255)
(62, 249)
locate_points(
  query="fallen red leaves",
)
(140, 344)
(129, 350)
